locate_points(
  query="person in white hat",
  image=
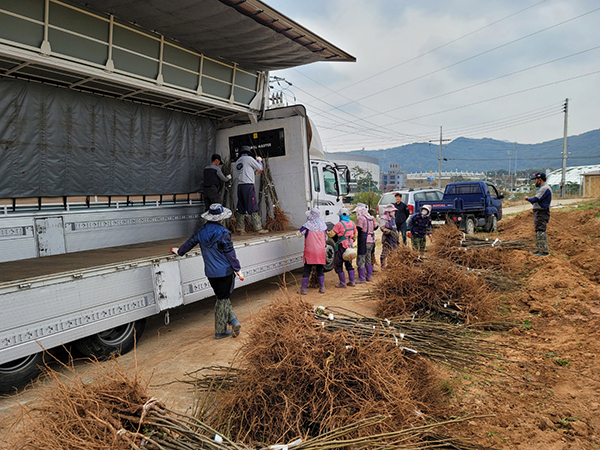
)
(366, 226)
(315, 238)
(220, 266)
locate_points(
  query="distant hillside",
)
(482, 155)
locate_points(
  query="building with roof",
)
(576, 176)
(591, 184)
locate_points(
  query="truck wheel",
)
(329, 254)
(118, 340)
(16, 374)
(491, 224)
(470, 226)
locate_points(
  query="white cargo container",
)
(108, 146)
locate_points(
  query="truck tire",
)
(491, 224)
(16, 374)
(329, 254)
(118, 340)
(469, 226)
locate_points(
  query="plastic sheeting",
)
(56, 142)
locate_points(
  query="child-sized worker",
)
(220, 266)
(389, 239)
(419, 227)
(345, 230)
(366, 226)
(315, 238)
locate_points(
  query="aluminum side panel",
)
(17, 238)
(260, 259)
(53, 314)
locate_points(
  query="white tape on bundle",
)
(396, 340)
(286, 446)
(331, 316)
(496, 241)
(401, 335)
(218, 439)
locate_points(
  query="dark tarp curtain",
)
(56, 142)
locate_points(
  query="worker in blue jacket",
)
(541, 212)
(220, 266)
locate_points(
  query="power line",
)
(441, 46)
(476, 55)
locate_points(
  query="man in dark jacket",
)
(402, 215)
(541, 212)
(220, 266)
(213, 176)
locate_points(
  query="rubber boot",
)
(257, 223)
(303, 286)
(322, 284)
(538, 244)
(361, 275)
(240, 223)
(541, 242)
(342, 277)
(370, 273)
(236, 326)
(351, 278)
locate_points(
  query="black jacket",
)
(402, 214)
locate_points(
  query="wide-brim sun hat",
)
(216, 213)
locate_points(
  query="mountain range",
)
(482, 155)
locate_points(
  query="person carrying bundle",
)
(366, 226)
(244, 170)
(345, 230)
(315, 238)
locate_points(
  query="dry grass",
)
(412, 284)
(79, 414)
(300, 380)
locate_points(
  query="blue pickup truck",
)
(468, 204)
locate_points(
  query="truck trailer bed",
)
(26, 269)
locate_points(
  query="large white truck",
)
(105, 127)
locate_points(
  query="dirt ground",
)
(552, 400)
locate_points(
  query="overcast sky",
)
(497, 69)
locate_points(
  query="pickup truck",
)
(468, 204)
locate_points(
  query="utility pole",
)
(515, 178)
(440, 160)
(563, 180)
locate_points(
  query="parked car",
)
(409, 196)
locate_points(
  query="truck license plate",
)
(438, 222)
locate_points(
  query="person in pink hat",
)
(389, 240)
(315, 237)
(366, 226)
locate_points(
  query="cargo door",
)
(167, 285)
(50, 236)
